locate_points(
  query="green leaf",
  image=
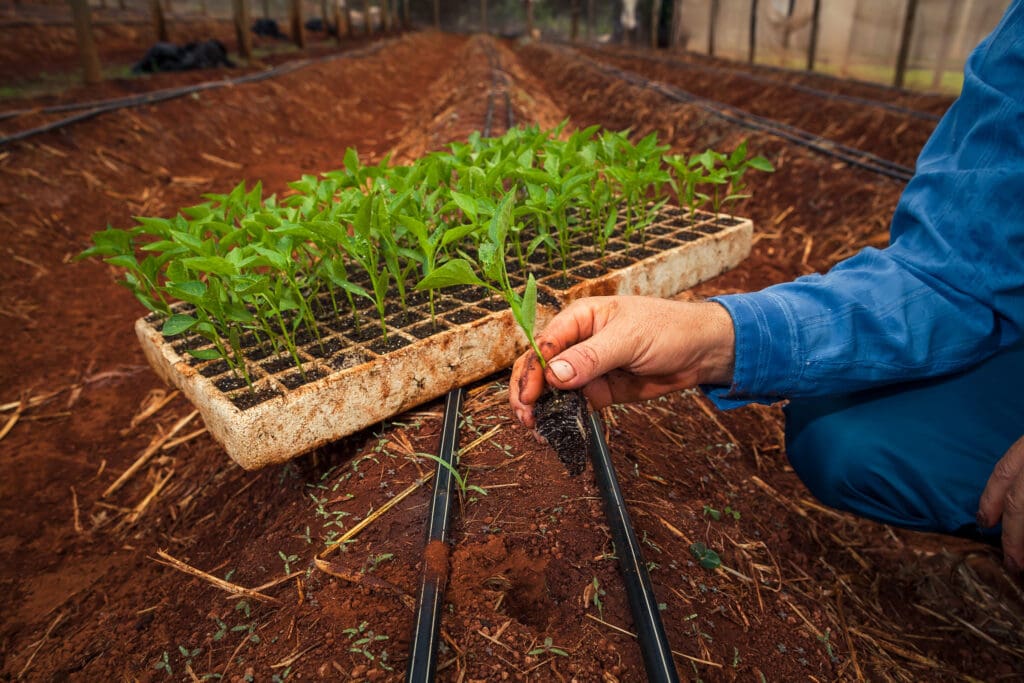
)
(466, 203)
(204, 354)
(177, 324)
(528, 306)
(455, 272)
(761, 164)
(210, 264)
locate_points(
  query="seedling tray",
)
(353, 378)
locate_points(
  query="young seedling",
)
(548, 648)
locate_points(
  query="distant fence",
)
(855, 38)
(919, 44)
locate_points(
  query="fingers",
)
(592, 349)
(1003, 499)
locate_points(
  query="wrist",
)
(718, 344)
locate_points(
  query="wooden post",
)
(266, 9)
(483, 16)
(712, 21)
(904, 54)
(812, 49)
(159, 21)
(529, 17)
(367, 22)
(385, 16)
(323, 15)
(349, 29)
(752, 33)
(406, 16)
(295, 23)
(437, 15)
(336, 18)
(956, 11)
(590, 20)
(655, 21)
(82, 17)
(240, 10)
(574, 29)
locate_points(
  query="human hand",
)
(626, 348)
(1003, 498)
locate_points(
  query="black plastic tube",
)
(657, 655)
(426, 627)
(104, 106)
(740, 117)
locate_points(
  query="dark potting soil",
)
(710, 228)
(539, 258)
(493, 304)
(588, 271)
(258, 353)
(246, 399)
(428, 329)
(324, 348)
(369, 330)
(304, 335)
(680, 222)
(562, 421)
(392, 343)
(616, 245)
(278, 364)
(417, 298)
(546, 298)
(616, 261)
(444, 304)
(659, 230)
(392, 307)
(663, 244)
(215, 368)
(728, 221)
(688, 236)
(229, 383)
(404, 319)
(640, 253)
(469, 294)
(561, 282)
(193, 341)
(349, 359)
(344, 324)
(296, 379)
(464, 315)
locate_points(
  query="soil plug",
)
(562, 422)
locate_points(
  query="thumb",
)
(582, 363)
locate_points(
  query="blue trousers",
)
(915, 455)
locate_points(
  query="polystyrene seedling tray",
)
(353, 378)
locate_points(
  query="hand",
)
(1003, 498)
(626, 348)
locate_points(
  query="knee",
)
(827, 454)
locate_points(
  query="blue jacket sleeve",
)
(945, 294)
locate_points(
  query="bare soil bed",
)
(93, 575)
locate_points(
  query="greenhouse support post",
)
(91, 72)
(712, 26)
(812, 48)
(240, 12)
(905, 38)
(752, 35)
(295, 20)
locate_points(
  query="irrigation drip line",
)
(799, 87)
(105, 106)
(426, 627)
(650, 631)
(427, 624)
(854, 157)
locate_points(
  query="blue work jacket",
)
(948, 291)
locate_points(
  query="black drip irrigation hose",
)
(854, 157)
(650, 631)
(426, 627)
(104, 106)
(799, 87)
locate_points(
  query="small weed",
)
(164, 664)
(287, 559)
(375, 561)
(548, 649)
(362, 638)
(707, 557)
(593, 595)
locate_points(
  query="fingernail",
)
(1011, 565)
(562, 370)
